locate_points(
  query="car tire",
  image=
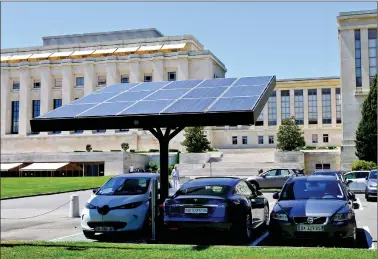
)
(242, 230)
(351, 242)
(89, 234)
(266, 215)
(367, 196)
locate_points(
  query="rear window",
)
(206, 190)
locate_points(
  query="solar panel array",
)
(189, 96)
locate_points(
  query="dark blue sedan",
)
(221, 203)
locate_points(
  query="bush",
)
(125, 146)
(289, 135)
(322, 148)
(309, 148)
(132, 150)
(97, 151)
(173, 150)
(115, 150)
(142, 151)
(154, 150)
(332, 147)
(212, 149)
(359, 165)
(153, 166)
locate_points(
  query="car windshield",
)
(324, 173)
(207, 190)
(312, 189)
(125, 186)
(373, 175)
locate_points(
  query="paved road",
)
(57, 226)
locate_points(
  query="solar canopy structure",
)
(172, 105)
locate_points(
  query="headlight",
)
(372, 186)
(89, 206)
(130, 205)
(342, 216)
(280, 216)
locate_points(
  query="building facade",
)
(358, 66)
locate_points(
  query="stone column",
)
(45, 93)
(292, 101)
(333, 106)
(305, 108)
(112, 75)
(134, 75)
(90, 81)
(6, 108)
(365, 60)
(320, 111)
(279, 110)
(183, 70)
(25, 101)
(67, 87)
(158, 70)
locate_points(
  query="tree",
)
(88, 148)
(125, 146)
(366, 135)
(290, 135)
(195, 140)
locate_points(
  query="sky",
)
(289, 40)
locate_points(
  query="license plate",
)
(104, 229)
(196, 210)
(311, 228)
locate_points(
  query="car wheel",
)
(242, 230)
(147, 225)
(266, 215)
(351, 242)
(89, 234)
(367, 196)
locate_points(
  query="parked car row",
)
(315, 206)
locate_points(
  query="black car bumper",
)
(332, 231)
(371, 192)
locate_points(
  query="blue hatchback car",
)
(222, 203)
(371, 185)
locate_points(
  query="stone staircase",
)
(235, 162)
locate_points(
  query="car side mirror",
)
(352, 196)
(276, 195)
(356, 205)
(95, 190)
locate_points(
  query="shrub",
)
(322, 148)
(359, 165)
(115, 150)
(309, 148)
(153, 166)
(125, 146)
(132, 150)
(332, 147)
(142, 151)
(173, 150)
(154, 150)
(88, 148)
(96, 150)
(212, 149)
(289, 135)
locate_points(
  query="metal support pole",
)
(154, 194)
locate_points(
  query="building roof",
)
(358, 13)
(309, 79)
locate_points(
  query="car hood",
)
(372, 181)
(311, 207)
(114, 200)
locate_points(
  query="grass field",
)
(15, 187)
(136, 251)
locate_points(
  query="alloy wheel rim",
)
(249, 226)
(266, 214)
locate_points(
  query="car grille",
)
(311, 234)
(303, 220)
(113, 224)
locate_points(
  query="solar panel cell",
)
(167, 94)
(150, 86)
(130, 96)
(67, 111)
(190, 105)
(147, 107)
(244, 91)
(234, 104)
(106, 109)
(205, 92)
(187, 84)
(261, 80)
(217, 82)
(118, 88)
(94, 98)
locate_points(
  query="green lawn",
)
(135, 251)
(15, 187)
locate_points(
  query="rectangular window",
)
(312, 106)
(372, 35)
(36, 84)
(260, 119)
(57, 104)
(357, 41)
(234, 140)
(271, 139)
(124, 79)
(260, 140)
(16, 85)
(245, 140)
(326, 106)
(101, 80)
(285, 104)
(171, 76)
(314, 138)
(325, 138)
(338, 105)
(272, 110)
(15, 116)
(58, 82)
(298, 106)
(36, 108)
(322, 166)
(79, 81)
(148, 78)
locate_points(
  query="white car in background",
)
(121, 204)
(356, 180)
